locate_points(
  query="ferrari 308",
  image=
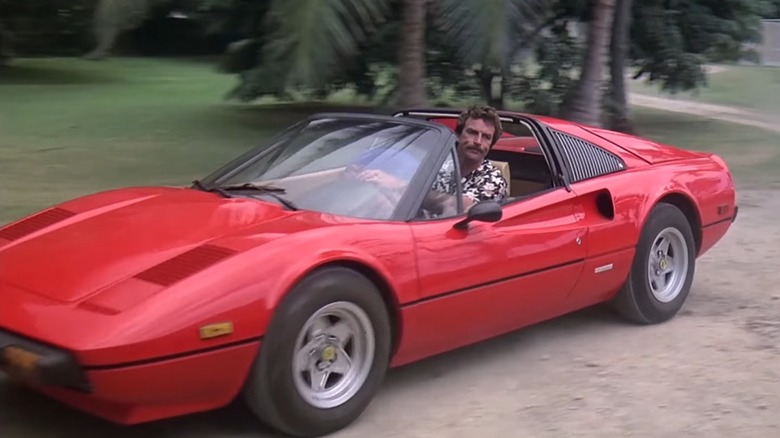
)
(285, 279)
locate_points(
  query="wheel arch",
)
(385, 290)
(689, 209)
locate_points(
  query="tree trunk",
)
(619, 115)
(111, 18)
(486, 77)
(6, 45)
(411, 55)
(584, 103)
(105, 37)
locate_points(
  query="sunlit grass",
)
(70, 126)
(752, 154)
(748, 86)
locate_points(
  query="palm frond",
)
(486, 31)
(312, 38)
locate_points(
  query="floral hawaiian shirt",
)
(485, 183)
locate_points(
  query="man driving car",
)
(478, 129)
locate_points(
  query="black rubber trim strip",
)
(718, 222)
(172, 356)
(491, 282)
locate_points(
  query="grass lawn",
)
(752, 154)
(748, 86)
(69, 127)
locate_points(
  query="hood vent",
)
(184, 265)
(35, 223)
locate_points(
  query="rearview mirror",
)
(485, 211)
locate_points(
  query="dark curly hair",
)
(486, 113)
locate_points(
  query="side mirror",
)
(485, 211)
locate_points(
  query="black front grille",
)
(586, 160)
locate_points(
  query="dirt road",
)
(732, 114)
(714, 371)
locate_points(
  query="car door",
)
(604, 199)
(494, 277)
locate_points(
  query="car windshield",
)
(356, 167)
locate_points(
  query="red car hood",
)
(69, 252)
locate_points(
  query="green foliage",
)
(671, 40)
(770, 9)
(345, 45)
(41, 27)
(237, 17)
(489, 32)
(542, 90)
(312, 39)
(326, 45)
(122, 14)
(312, 46)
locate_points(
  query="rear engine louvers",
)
(184, 265)
(35, 223)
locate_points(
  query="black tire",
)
(636, 300)
(270, 390)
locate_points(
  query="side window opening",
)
(518, 153)
(526, 163)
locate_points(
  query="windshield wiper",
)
(255, 187)
(198, 184)
(272, 191)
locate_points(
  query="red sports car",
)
(287, 279)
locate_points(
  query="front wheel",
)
(324, 356)
(663, 268)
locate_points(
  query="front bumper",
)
(131, 393)
(40, 364)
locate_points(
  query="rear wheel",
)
(662, 273)
(324, 356)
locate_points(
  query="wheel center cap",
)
(663, 264)
(328, 353)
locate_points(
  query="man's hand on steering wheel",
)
(382, 178)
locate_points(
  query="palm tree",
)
(112, 17)
(490, 34)
(411, 54)
(312, 39)
(584, 104)
(619, 116)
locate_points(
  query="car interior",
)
(519, 156)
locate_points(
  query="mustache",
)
(468, 145)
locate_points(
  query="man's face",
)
(475, 139)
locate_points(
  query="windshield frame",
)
(413, 196)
